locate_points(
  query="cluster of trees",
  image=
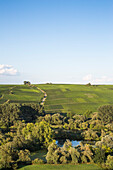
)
(27, 83)
(104, 152)
(101, 153)
(93, 126)
(89, 126)
(11, 157)
(26, 127)
(11, 114)
(55, 119)
(69, 154)
(49, 83)
(15, 148)
(39, 134)
(20, 134)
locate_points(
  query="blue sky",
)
(58, 41)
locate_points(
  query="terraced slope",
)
(60, 97)
(76, 98)
(19, 94)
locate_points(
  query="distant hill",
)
(60, 97)
(19, 94)
(76, 98)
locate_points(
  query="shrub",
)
(74, 155)
(24, 156)
(106, 143)
(109, 162)
(9, 156)
(63, 160)
(90, 135)
(37, 161)
(89, 84)
(50, 155)
(99, 156)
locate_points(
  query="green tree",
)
(50, 154)
(74, 155)
(9, 156)
(27, 83)
(24, 156)
(99, 156)
(39, 133)
(109, 162)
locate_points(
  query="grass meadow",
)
(62, 167)
(19, 94)
(76, 98)
(63, 98)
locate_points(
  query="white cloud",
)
(7, 70)
(87, 77)
(102, 79)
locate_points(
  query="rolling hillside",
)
(76, 98)
(19, 94)
(60, 97)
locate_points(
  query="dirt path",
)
(45, 96)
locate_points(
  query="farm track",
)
(20, 94)
(76, 98)
(55, 97)
(45, 95)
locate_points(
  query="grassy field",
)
(60, 97)
(19, 94)
(76, 98)
(61, 167)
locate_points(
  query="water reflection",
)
(60, 143)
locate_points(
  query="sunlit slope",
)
(19, 94)
(60, 98)
(76, 98)
(61, 167)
